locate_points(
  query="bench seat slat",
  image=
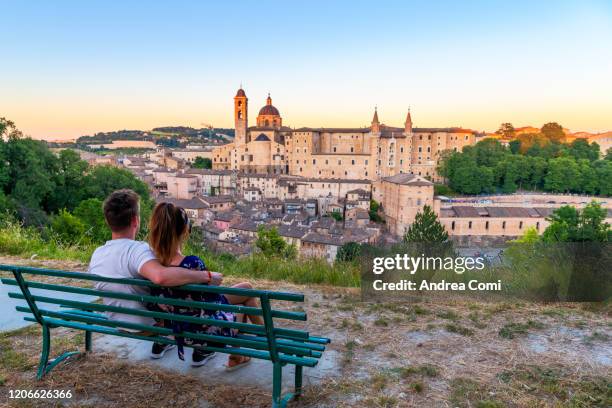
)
(295, 297)
(302, 361)
(154, 299)
(316, 347)
(244, 327)
(236, 342)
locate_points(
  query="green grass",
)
(28, 242)
(458, 329)
(512, 330)
(426, 370)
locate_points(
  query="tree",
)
(581, 149)
(553, 132)
(515, 146)
(202, 163)
(530, 236)
(92, 216)
(271, 244)
(608, 155)
(506, 130)
(487, 152)
(568, 224)
(69, 229)
(426, 228)
(68, 181)
(563, 175)
(336, 215)
(374, 208)
(588, 182)
(603, 169)
(348, 252)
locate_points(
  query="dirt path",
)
(443, 353)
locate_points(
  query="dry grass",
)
(447, 352)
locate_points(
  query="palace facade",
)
(369, 153)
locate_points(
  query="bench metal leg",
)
(279, 400)
(44, 366)
(277, 385)
(298, 381)
(44, 355)
(87, 341)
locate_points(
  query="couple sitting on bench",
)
(161, 261)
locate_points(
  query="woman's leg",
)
(245, 300)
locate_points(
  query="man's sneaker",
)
(158, 350)
(200, 358)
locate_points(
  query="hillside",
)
(446, 352)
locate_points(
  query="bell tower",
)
(240, 117)
(375, 123)
(408, 123)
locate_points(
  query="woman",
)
(169, 229)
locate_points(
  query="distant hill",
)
(153, 135)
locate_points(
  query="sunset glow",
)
(75, 68)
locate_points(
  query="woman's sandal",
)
(244, 360)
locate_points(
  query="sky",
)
(72, 68)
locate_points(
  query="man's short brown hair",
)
(120, 208)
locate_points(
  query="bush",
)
(68, 228)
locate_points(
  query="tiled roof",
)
(192, 204)
(408, 179)
(217, 199)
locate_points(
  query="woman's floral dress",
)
(194, 262)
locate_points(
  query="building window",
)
(334, 150)
(487, 225)
(351, 150)
(314, 161)
(352, 161)
(503, 224)
(453, 225)
(470, 225)
(521, 225)
(538, 225)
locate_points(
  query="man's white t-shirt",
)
(122, 258)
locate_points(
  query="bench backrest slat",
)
(293, 297)
(159, 300)
(245, 327)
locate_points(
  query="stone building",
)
(402, 196)
(368, 153)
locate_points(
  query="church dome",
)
(262, 138)
(240, 93)
(269, 110)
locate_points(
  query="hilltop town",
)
(325, 187)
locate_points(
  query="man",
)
(124, 257)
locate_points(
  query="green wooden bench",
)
(282, 346)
